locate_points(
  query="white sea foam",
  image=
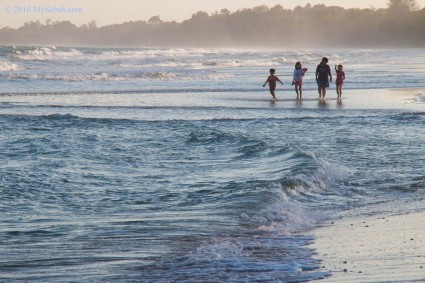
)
(175, 57)
(47, 53)
(327, 173)
(287, 216)
(208, 63)
(105, 76)
(6, 66)
(284, 217)
(153, 53)
(182, 76)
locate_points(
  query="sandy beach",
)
(374, 249)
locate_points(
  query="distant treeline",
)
(402, 24)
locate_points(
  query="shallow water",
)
(154, 180)
(147, 70)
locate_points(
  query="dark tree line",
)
(402, 23)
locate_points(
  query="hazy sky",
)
(14, 13)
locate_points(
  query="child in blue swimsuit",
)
(298, 79)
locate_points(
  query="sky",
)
(14, 13)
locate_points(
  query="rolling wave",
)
(7, 66)
(134, 91)
(107, 76)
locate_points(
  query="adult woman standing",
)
(323, 77)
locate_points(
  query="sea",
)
(174, 165)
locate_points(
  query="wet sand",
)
(373, 249)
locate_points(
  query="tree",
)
(403, 5)
(199, 16)
(401, 24)
(225, 12)
(155, 20)
(92, 24)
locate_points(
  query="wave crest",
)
(7, 66)
(106, 76)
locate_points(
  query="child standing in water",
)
(272, 79)
(298, 79)
(340, 77)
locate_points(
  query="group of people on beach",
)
(323, 77)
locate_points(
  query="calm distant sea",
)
(172, 165)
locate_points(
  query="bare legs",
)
(299, 91)
(322, 91)
(272, 93)
(339, 91)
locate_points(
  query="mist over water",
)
(401, 24)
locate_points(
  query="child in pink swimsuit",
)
(272, 80)
(340, 77)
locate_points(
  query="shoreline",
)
(388, 98)
(388, 248)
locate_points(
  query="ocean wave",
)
(106, 76)
(56, 116)
(209, 63)
(173, 53)
(52, 53)
(132, 91)
(206, 137)
(60, 116)
(251, 259)
(41, 122)
(410, 185)
(189, 57)
(47, 53)
(283, 217)
(66, 77)
(274, 202)
(7, 66)
(312, 180)
(407, 116)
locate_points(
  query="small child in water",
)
(298, 79)
(271, 80)
(340, 77)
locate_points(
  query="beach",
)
(383, 245)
